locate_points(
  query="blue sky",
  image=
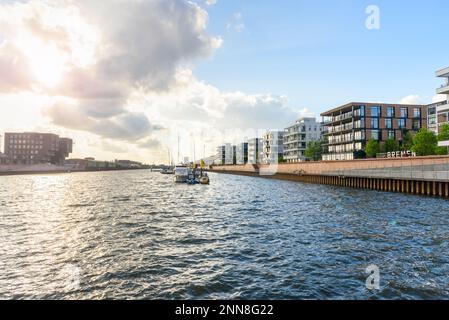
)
(213, 81)
(320, 54)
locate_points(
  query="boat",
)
(167, 171)
(204, 179)
(185, 174)
(182, 174)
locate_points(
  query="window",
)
(416, 113)
(390, 112)
(432, 120)
(416, 124)
(375, 112)
(389, 123)
(359, 111)
(391, 135)
(404, 112)
(401, 123)
(375, 134)
(375, 123)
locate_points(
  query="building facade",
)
(242, 153)
(255, 147)
(347, 129)
(226, 155)
(273, 147)
(297, 136)
(221, 156)
(229, 154)
(4, 159)
(35, 148)
(440, 111)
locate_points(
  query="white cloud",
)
(119, 76)
(104, 51)
(412, 99)
(439, 98)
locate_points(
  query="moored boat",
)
(168, 171)
(181, 174)
(204, 179)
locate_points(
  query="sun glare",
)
(47, 63)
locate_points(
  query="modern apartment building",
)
(297, 136)
(440, 111)
(221, 155)
(34, 148)
(272, 146)
(347, 129)
(255, 151)
(242, 153)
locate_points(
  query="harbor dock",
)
(415, 175)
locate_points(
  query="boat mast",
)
(178, 147)
(194, 155)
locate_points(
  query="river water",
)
(137, 235)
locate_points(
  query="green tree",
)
(281, 158)
(443, 135)
(425, 143)
(372, 148)
(390, 145)
(314, 150)
(407, 142)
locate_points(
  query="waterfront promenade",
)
(416, 175)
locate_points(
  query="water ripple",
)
(136, 235)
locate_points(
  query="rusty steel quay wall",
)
(420, 175)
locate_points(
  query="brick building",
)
(35, 148)
(347, 129)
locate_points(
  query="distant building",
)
(348, 128)
(186, 160)
(272, 146)
(297, 137)
(35, 148)
(229, 154)
(128, 164)
(221, 156)
(78, 164)
(255, 147)
(242, 153)
(3, 158)
(441, 110)
(226, 155)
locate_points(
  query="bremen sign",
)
(401, 154)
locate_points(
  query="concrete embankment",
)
(11, 170)
(420, 175)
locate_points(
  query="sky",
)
(129, 79)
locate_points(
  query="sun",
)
(48, 66)
(46, 61)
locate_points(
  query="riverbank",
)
(32, 170)
(419, 175)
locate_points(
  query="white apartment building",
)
(255, 151)
(241, 153)
(225, 155)
(273, 146)
(297, 136)
(442, 109)
(229, 154)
